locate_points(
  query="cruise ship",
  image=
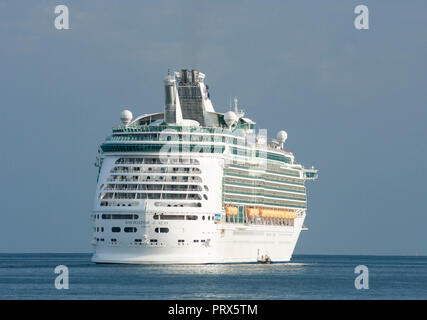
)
(190, 185)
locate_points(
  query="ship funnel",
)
(189, 77)
(195, 76)
(173, 112)
(185, 78)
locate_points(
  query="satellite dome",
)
(282, 136)
(230, 118)
(126, 117)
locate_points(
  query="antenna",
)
(239, 113)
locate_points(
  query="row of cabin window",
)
(168, 187)
(120, 216)
(164, 160)
(265, 175)
(155, 217)
(180, 217)
(157, 147)
(126, 229)
(260, 201)
(270, 167)
(133, 229)
(119, 204)
(114, 241)
(154, 170)
(181, 205)
(181, 241)
(265, 192)
(171, 136)
(180, 196)
(153, 241)
(155, 178)
(262, 183)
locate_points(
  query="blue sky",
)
(353, 104)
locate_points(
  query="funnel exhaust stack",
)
(173, 112)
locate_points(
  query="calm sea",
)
(31, 276)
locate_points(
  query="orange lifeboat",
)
(263, 212)
(281, 214)
(231, 211)
(252, 212)
(271, 213)
(290, 214)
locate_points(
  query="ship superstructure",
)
(192, 185)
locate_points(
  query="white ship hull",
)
(236, 244)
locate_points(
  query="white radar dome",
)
(282, 136)
(126, 117)
(230, 118)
